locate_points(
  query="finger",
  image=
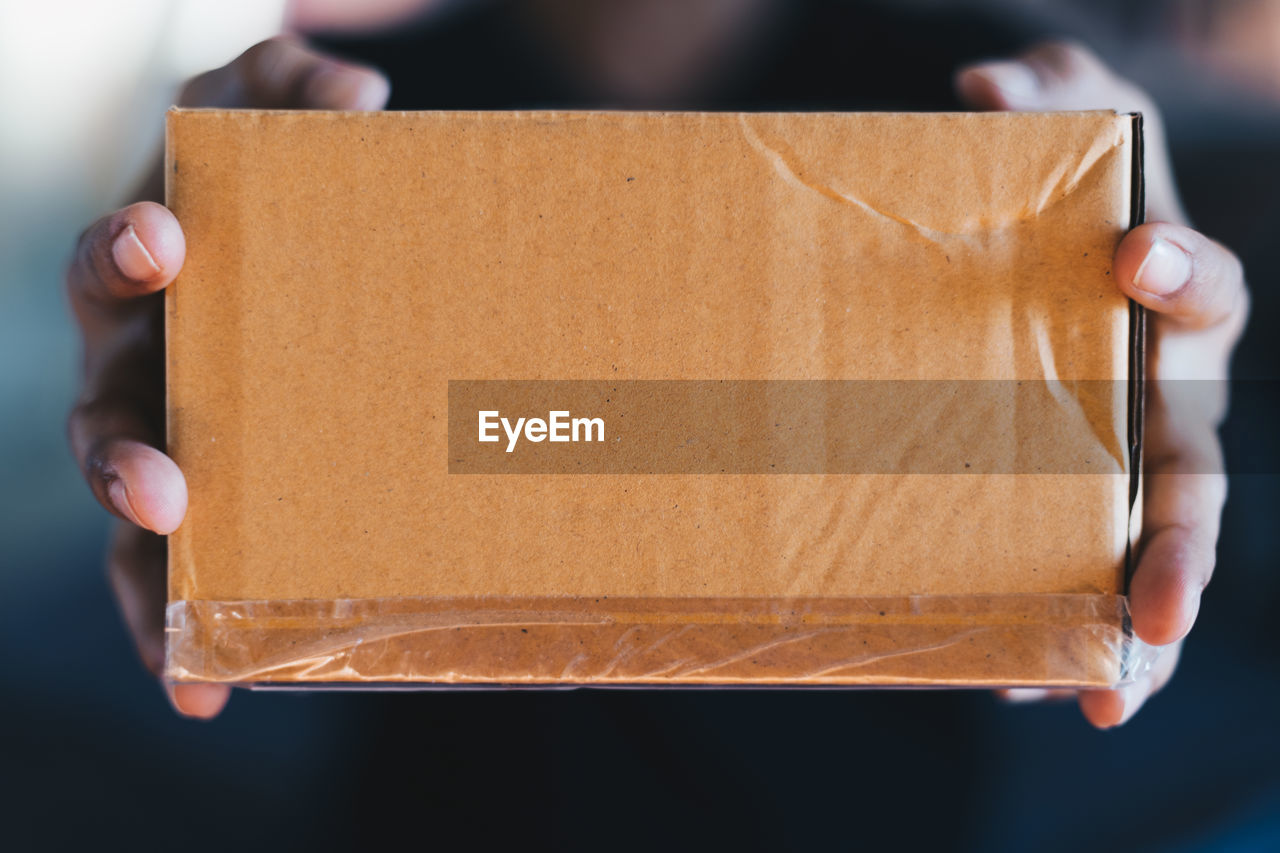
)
(1030, 695)
(282, 73)
(1178, 554)
(137, 483)
(201, 701)
(1174, 569)
(1181, 274)
(114, 431)
(1050, 76)
(1068, 76)
(136, 572)
(125, 255)
(1107, 709)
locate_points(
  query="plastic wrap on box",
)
(1000, 641)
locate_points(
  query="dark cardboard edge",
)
(1137, 339)
(1137, 381)
(167, 306)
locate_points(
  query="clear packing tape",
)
(1067, 640)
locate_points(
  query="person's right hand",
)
(115, 278)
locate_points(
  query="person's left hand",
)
(115, 281)
(1194, 288)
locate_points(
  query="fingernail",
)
(1164, 270)
(1015, 81)
(1025, 694)
(120, 500)
(342, 88)
(132, 258)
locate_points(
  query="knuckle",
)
(270, 69)
(219, 87)
(81, 268)
(251, 68)
(98, 465)
(258, 56)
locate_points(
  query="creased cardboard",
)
(351, 278)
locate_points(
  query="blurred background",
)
(90, 752)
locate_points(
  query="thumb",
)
(1181, 274)
(1066, 76)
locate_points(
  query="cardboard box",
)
(867, 397)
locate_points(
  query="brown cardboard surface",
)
(345, 271)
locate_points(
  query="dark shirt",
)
(814, 56)
(873, 770)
